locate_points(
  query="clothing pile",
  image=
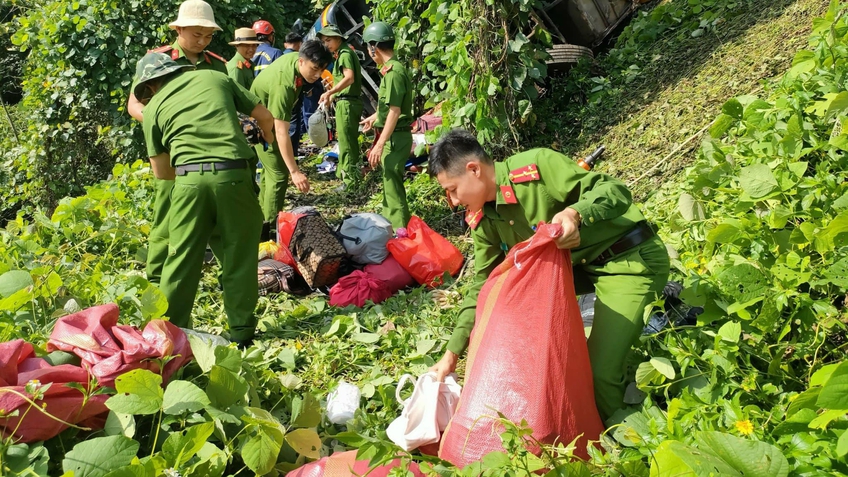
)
(360, 260)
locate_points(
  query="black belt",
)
(398, 129)
(641, 233)
(347, 97)
(211, 166)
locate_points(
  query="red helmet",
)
(263, 27)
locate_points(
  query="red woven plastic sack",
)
(527, 358)
(19, 366)
(108, 349)
(344, 464)
(425, 254)
(357, 288)
(390, 271)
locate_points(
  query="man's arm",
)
(388, 128)
(161, 164)
(135, 108)
(349, 77)
(281, 130)
(265, 120)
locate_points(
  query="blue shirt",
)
(265, 55)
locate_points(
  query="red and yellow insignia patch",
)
(175, 54)
(508, 194)
(161, 49)
(298, 82)
(213, 55)
(385, 69)
(524, 174)
(473, 218)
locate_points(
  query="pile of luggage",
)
(362, 259)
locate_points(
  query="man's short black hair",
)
(316, 52)
(293, 37)
(265, 38)
(453, 151)
(385, 45)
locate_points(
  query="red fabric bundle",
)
(357, 288)
(527, 358)
(344, 464)
(425, 254)
(19, 366)
(390, 271)
(109, 350)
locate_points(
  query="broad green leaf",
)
(118, 423)
(721, 124)
(799, 422)
(664, 366)
(132, 471)
(97, 457)
(13, 281)
(724, 233)
(676, 459)
(154, 305)
(225, 388)
(183, 396)
(750, 458)
(647, 375)
(305, 442)
(17, 300)
(287, 358)
(138, 392)
(690, 209)
(179, 447)
(730, 331)
(822, 375)
(842, 444)
(824, 419)
(834, 393)
(368, 338)
(805, 400)
(306, 412)
(213, 462)
(758, 180)
(203, 351)
(838, 105)
(733, 108)
(260, 452)
(228, 358)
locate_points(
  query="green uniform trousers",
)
(348, 112)
(623, 286)
(275, 181)
(395, 155)
(219, 202)
(157, 246)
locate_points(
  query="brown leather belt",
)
(211, 166)
(638, 235)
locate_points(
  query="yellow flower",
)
(745, 427)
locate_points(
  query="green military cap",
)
(154, 65)
(330, 30)
(378, 32)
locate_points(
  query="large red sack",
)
(357, 288)
(527, 358)
(390, 271)
(344, 464)
(109, 350)
(425, 254)
(19, 366)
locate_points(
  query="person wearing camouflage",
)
(194, 138)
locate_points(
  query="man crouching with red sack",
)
(614, 251)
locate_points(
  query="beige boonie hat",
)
(195, 13)
(245, 36)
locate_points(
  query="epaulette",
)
(524, 174)
(243, 64)
(508, 194)
(213, 55)
(161, 49)
(473, 218)
(385, 69)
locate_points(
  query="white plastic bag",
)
(426, 413)
(342, 403)
(317, 127)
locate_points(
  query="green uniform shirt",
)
(604, 203)
(241, 70)
(395, 90)
(206, 61)
(347, 59)
(193, 117)
(279, 86)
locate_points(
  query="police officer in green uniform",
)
(278, 88)
(613, 250)
(194, 138)
(347, 91)
(239, 67)
(393, 121)
(195, 26)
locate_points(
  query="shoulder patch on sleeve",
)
(214, 55)
(524, 174)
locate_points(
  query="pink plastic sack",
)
(19, 366)
(390, 271)
(527, 358)
(425, 254)
(109, 350)
(357, 288)
(344, 464)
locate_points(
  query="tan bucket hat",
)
(245, 36)
(195, 13)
